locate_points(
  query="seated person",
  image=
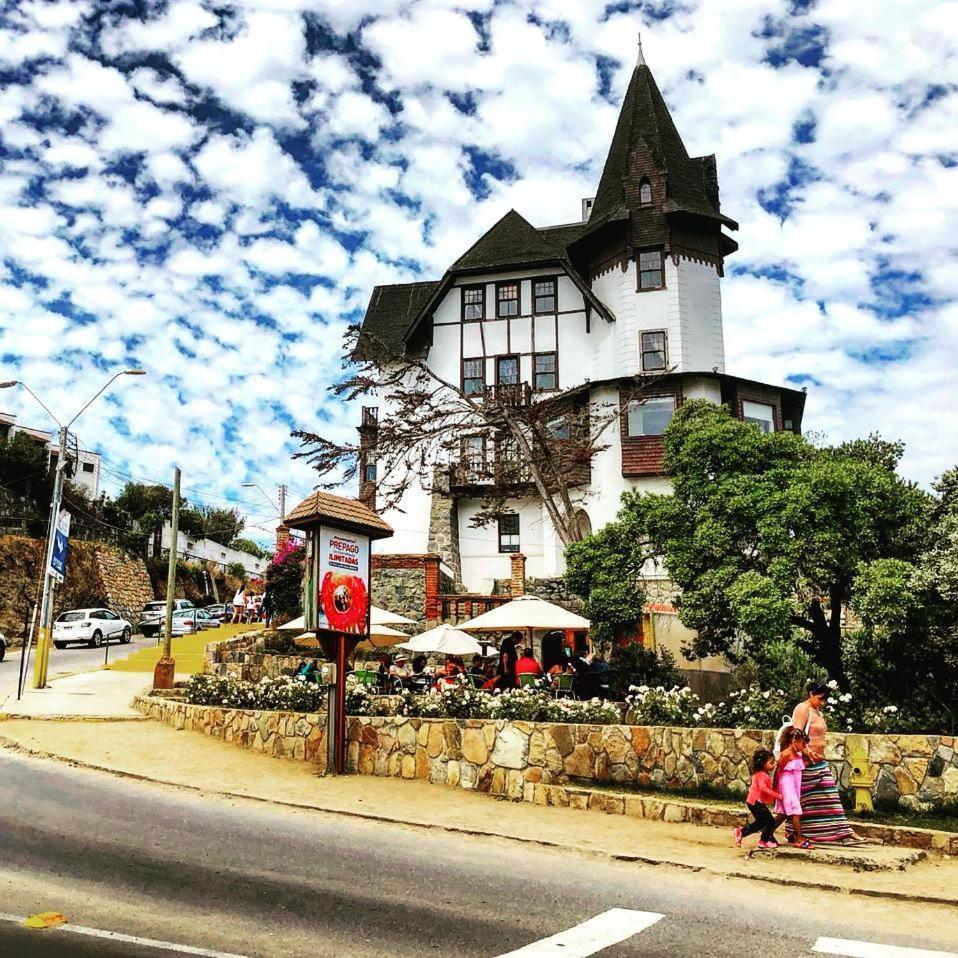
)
(400, 668)
(527, 664)
(419, 680)
(383, 676)
(477, 668)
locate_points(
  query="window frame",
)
(366, 470)
(554, 353)
(555, 295)
(518, 300)
(639, 271)
(664, 350)
(518, 360)
(482, 304)
(476, 470)
(645, 183)
(463, 377)
(644, 402)
(510, 548)
(755, 422)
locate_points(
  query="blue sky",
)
(210, 191)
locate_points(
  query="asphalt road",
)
(74, 658)
(257, 880)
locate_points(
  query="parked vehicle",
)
(90, 627)
(220, 611)
(3, 646)
(188, 621)
(151, 618)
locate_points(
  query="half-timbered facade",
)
(632, 290)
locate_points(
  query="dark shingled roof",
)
(512, 241)
(390, 313)
(645, 117)
(328, 509)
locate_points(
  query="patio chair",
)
(563, 686)
(477, 681)
(527, 678)
(365, 676)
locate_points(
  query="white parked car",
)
(188, 621)
(92, 627)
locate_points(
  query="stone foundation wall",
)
(401, 590)
(125, 582)
(296, 735)
(254, 666)
(503, 757)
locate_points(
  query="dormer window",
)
(645, 193)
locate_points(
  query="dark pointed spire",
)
(646, 125)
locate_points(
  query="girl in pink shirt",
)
(760, 794)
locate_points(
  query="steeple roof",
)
(645, 123)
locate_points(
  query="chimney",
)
(283, 536)
(518, 574)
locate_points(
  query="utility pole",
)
(166, 667)
(42, 659)
(282, 503)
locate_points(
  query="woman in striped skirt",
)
(823, 816)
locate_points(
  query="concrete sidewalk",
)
(158, 753)
(85, 696)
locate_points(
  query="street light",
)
(46, 605)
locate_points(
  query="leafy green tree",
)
(248, 545)
(766, 535)
(604, 570)
(635, 665)
(24, 470)
(284, 582)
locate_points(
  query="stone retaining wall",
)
(504, 757)
(297, 735)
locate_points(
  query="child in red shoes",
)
(760, 795)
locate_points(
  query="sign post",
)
(338, 581)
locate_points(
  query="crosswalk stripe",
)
(590, 936)
(125, 939)
(870, 949)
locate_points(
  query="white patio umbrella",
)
(444, 638)
(385, 617)
(294, 625)
(382, 637)
(525, 613)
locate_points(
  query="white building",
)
(206, 550)
(85, 464)
(633, 290)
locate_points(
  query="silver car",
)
(90, 627)
(189, 621)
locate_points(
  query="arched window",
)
(645, 192)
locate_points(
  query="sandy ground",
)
(158, 753)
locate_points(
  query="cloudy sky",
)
(210, 191)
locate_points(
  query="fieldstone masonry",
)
(296, 735)
(504, 758)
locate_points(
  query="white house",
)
(206, 550)
(634, 289)
(86, 464)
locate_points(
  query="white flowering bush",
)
(360, 699)
(661, 706)
(755, 707)
(285, 693)
(588, 712)
(887, 719)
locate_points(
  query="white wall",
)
(699, 301)
(206, 550)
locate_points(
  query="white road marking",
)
(126, 939)
(869, 949)
(603, 931)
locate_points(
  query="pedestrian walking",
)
(791, 766)
(268, 608)
(760, 794)
(239, 605)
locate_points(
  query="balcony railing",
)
(455, 608)
(479, 472)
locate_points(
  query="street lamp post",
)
(282, 498)
(42, 659)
